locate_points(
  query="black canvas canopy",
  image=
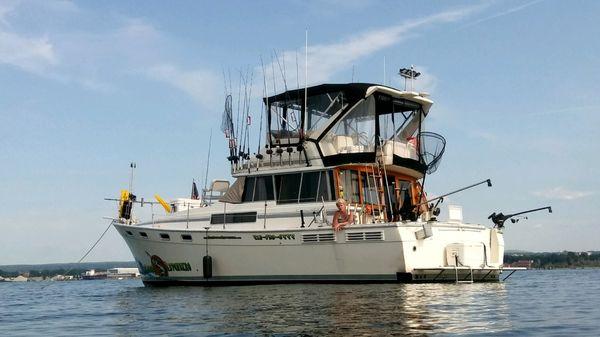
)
(351, 90)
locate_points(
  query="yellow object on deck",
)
(163, 203)
(124, 197)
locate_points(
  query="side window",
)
(349, 186)
(249, 190)
(264, 188)
(288, 186)
(369, 188)
(325, 187)
(406, 209)
(310, 186)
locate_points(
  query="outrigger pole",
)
(498, 219)
(441, 197)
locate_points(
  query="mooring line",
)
(88, 251)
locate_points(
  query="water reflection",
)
(310, 309)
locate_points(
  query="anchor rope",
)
(88, 251)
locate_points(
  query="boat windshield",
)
(321, 108)
(354, 133)
(398, 118)
(285, 120)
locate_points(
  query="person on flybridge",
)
(342, 216)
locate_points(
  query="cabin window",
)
(406, 210)
(186, 237)
(398, 118)
(229, 218)
(391, 199)
(354, 133)
(264, 188)
(249, 189)
(305, 187)
(144, 235)
(310, 186)
(165, 236)
(322, 107)
(316, 186)
(369, 188)
(129, 233)
(288, 187)
(285, 120)
(326, 186)
(258, 189)
(349, 186)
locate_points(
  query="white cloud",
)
(482, 134)
(31, 54)
(325, 60)
(6, 8)
(500, 14)
(136, 29)
(203, 85)
(562, 193)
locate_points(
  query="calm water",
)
(556, 302)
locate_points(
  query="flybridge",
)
(335, 124)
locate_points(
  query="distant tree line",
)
(65, 269)
(556, 260)
(43, 273)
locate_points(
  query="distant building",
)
(122, 273)
(58, 278)
(93, 275)
(19, 278)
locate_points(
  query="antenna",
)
(132, 165)
(297, 73)
(384, 71)
(306, 74)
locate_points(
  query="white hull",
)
(362, 253)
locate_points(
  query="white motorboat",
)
(358, 141)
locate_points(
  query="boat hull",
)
(381, 253)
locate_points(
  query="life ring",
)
(159, 266)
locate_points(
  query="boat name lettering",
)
(274, 236)
(180, 266)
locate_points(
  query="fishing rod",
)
(441, 197)
(259, 156)
(237, 119)
(499, 218)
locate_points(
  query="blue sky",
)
(86, 87)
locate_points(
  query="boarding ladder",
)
(464, 280)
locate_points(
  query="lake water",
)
(548, 303)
